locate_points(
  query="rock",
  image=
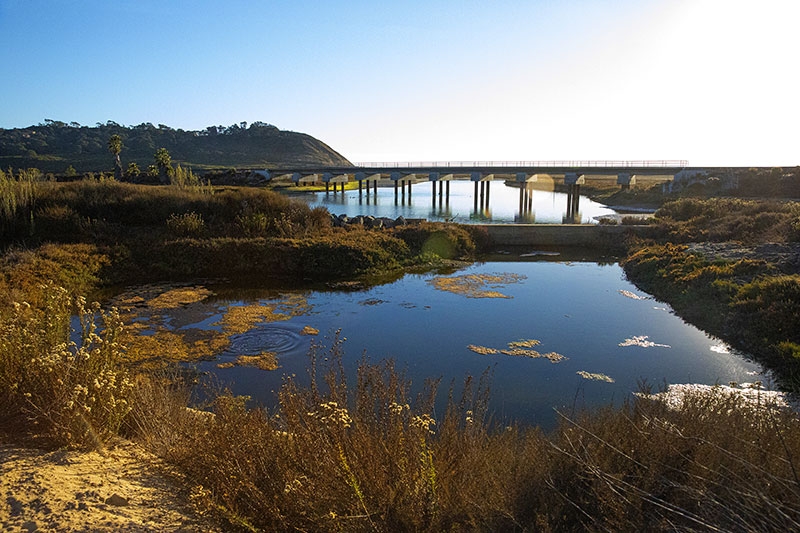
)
(116, 499)
(400, 221)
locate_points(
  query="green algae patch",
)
(594, 377)
(477, 285)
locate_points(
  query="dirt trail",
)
(123, 489)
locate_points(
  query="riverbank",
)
(730, 267)
(367, 455)
(613, 238)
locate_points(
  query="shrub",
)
(448, 241)
(769, 309)
(722, 219)
(253, 224)
(186, 224)
(71, 393)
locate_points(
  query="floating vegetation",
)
(526, 343)
(521, 352)
(166, 346)
(242, 318)
(594, 377)
(632, 296)
(519, 348)
(164, 323)
(372, 301)
(553, 357)
(641, 340)
(262, 361)
(477, 285)
(179, 297)
(483, 350)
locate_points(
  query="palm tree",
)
(164, 164)
(115, 147)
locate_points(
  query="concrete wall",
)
(588, 235)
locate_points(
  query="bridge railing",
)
(650, 163)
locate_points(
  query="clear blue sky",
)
(711, 81)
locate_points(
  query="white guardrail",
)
(654, 163)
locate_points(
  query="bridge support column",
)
(573, 181)
(626, 180)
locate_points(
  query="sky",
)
(713, 82)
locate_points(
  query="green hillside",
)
(53, 146)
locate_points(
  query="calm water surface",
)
(548, 207)
(575, 309)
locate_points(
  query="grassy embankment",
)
(338, 455)
(749, 298)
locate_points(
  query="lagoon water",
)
(548, 207)
(584, 311)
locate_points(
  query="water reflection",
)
(462, 201)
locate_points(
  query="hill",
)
(53, 146)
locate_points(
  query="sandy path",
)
(125, 489)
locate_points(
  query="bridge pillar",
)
(433, 177)
(360, 176)
(626, 180)
(326, 177)
(573, 181)
(299, 179)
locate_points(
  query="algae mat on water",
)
(168, 323)
(477, 285)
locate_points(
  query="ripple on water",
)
(271, 338)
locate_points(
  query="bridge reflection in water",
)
(522, 174)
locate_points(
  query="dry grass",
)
(372, 458)
(337, 455)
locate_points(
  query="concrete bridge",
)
(404, 174)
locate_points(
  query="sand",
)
(123, 489)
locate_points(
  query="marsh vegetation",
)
(366, 453)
